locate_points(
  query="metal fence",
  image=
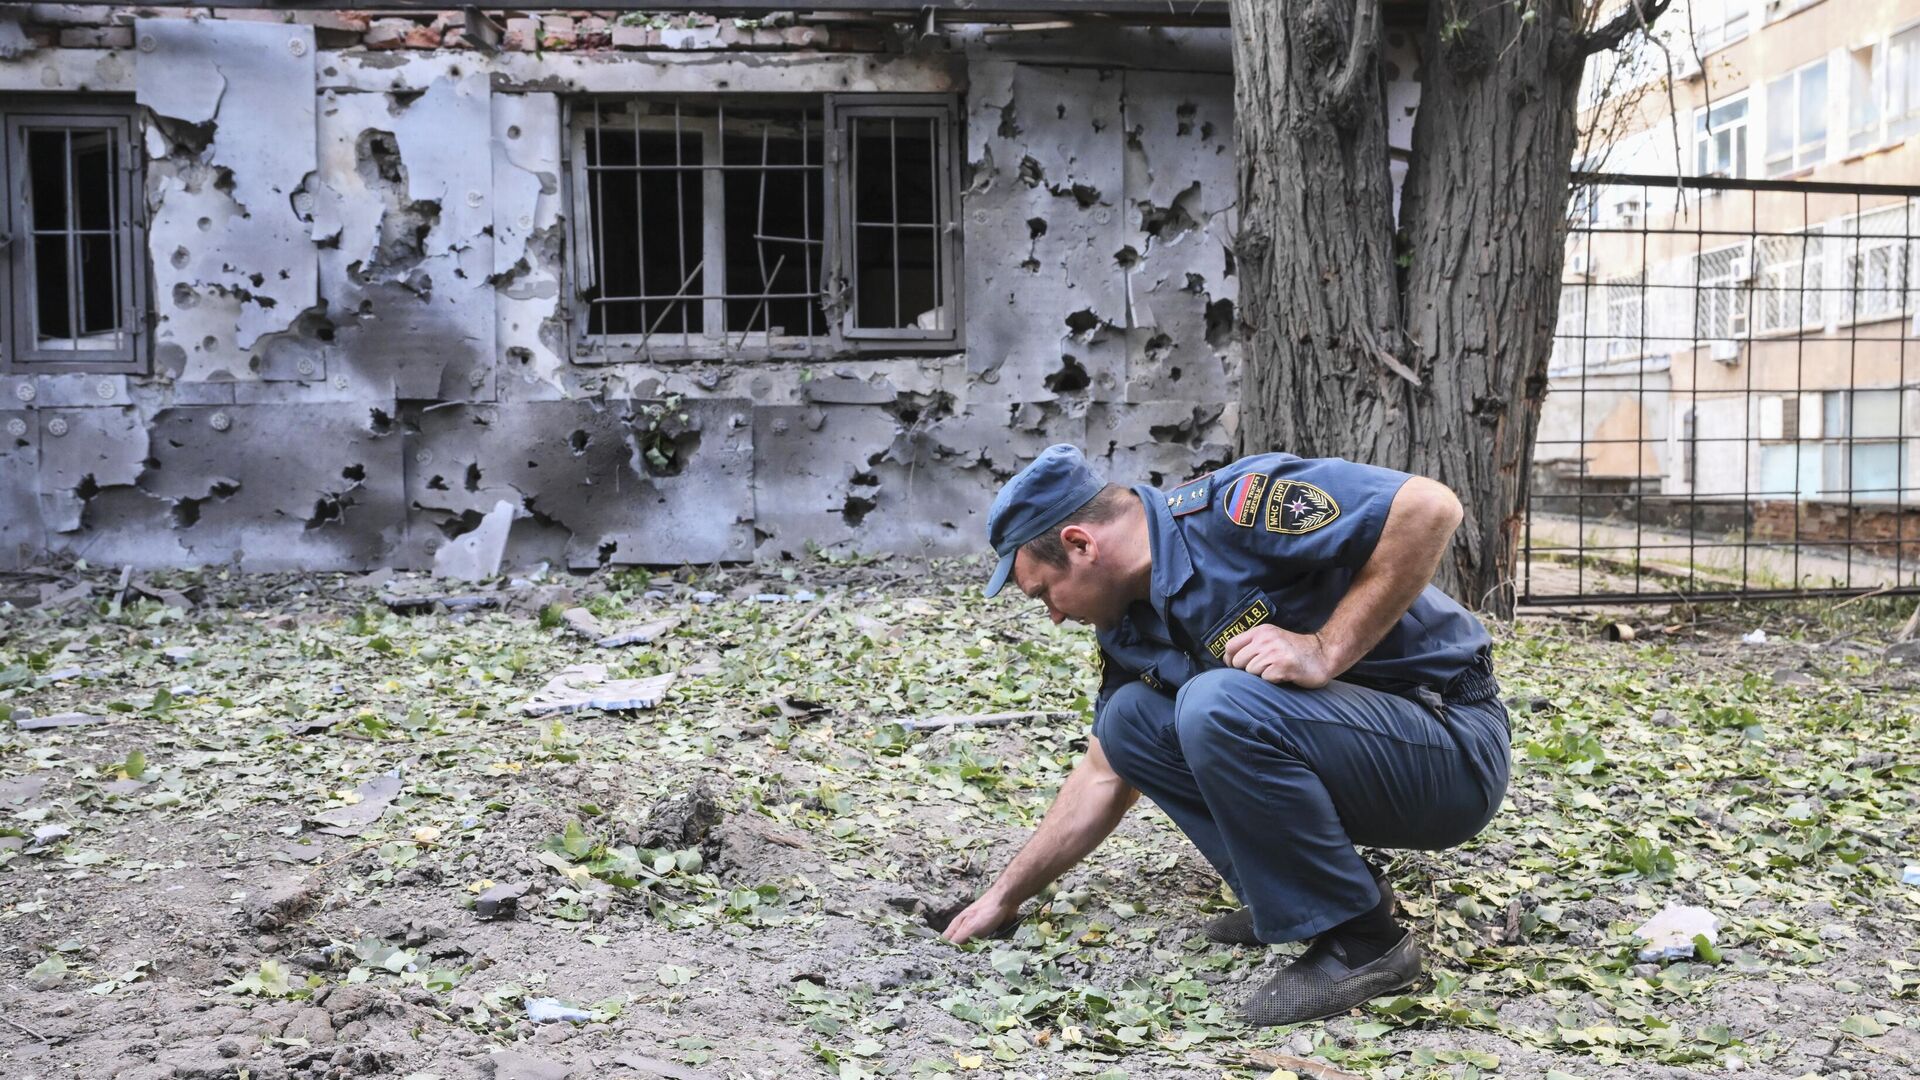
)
(1733, 405)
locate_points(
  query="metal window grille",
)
(71, 240)
(1734, 410)
(740, 226)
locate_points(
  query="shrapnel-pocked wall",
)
(360, 321)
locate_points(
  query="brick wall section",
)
(1883, 532)
(566, 30)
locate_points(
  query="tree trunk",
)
(1426, 349)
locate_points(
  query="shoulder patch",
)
(1242, 506)
(1295, 507)
(1191, 496)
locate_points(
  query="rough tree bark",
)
(1424, 346)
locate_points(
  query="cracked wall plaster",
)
(232, 257)
(21, 534)
(427, 209)
(578, 469)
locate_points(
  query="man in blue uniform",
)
(1281, 679)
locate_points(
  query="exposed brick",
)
(97, 37)
(348, 21)
(522, 35)
(767, 38)
(252, 15)
(593, 24)
(557, 32)
(705, 37)
(635, 37)
(804, 37)
(69, 14)
(388, 33)
(423, 37)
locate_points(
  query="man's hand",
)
(1281, 656)
(982, 918)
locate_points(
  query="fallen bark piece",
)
(1670, 934)
(998, 719)
(282, 904)
(375, 796)
(1307, 1067)
(586, 686)
(58, 720)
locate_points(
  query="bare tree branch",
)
(1638, 16)
(1365, 36)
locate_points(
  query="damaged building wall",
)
(362, 325)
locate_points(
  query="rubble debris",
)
(1299, 1066)
(1908, 651)
(587, 625)
(514, 1065)
(46, 836)
(283, 903)
(1670, 934)
(476, 555)
(1757, 637)
(371, 800)
(683, 821)
(427, 603)
(586, 686)
(57, 720)
(547, 1010)
(1790, 677)
(500, 901)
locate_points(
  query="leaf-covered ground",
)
(172, 904)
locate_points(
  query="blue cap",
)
(1038, 499)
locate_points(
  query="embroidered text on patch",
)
(1256, 613)
(1295, 507)
(1243, 502)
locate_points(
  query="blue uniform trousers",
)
(1276, 784)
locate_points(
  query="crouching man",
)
(1281, 679)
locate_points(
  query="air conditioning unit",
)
(1741, 269)
(1725, 350)
(1579, 264)
(1688, 68)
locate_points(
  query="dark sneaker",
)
(1320, 984)
(1236, 927)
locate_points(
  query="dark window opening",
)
(69, 240)
(897, 223)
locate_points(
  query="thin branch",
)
(1365, 37)
(1635, 17)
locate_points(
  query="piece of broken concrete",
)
(500, 901)
(476, 555)
(57, 720)
(586, 686)
(546, 1010)
(514, 1065)
(282, 903)
(1670, 934)
(372, 800)
(582, 622)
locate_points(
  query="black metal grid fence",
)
(1733, 405)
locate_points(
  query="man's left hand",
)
(1281, 656)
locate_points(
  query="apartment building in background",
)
(1753, 344)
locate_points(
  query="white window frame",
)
(1720, 23)
(1804, 153)
(1737, 132)
(1837, 479)
(1626, 311)
(1789, 273)
(1883, 94)
(1861, 240)
(1776, 10)
(1731, 278)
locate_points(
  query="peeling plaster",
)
(249, 87)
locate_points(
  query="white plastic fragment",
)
(546, 1010)
(586, 686)
(1911, 876)
(1758, 637)
(1669, 935)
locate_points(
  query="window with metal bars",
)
(72, 267)
(743, 226)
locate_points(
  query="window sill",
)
(585, 355)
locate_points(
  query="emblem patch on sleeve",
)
(1243, 501)
(1295, 507)
(1257, 612)
(1191, 496)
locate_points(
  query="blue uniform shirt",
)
(1275, 538)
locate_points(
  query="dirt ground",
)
(275, 842)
